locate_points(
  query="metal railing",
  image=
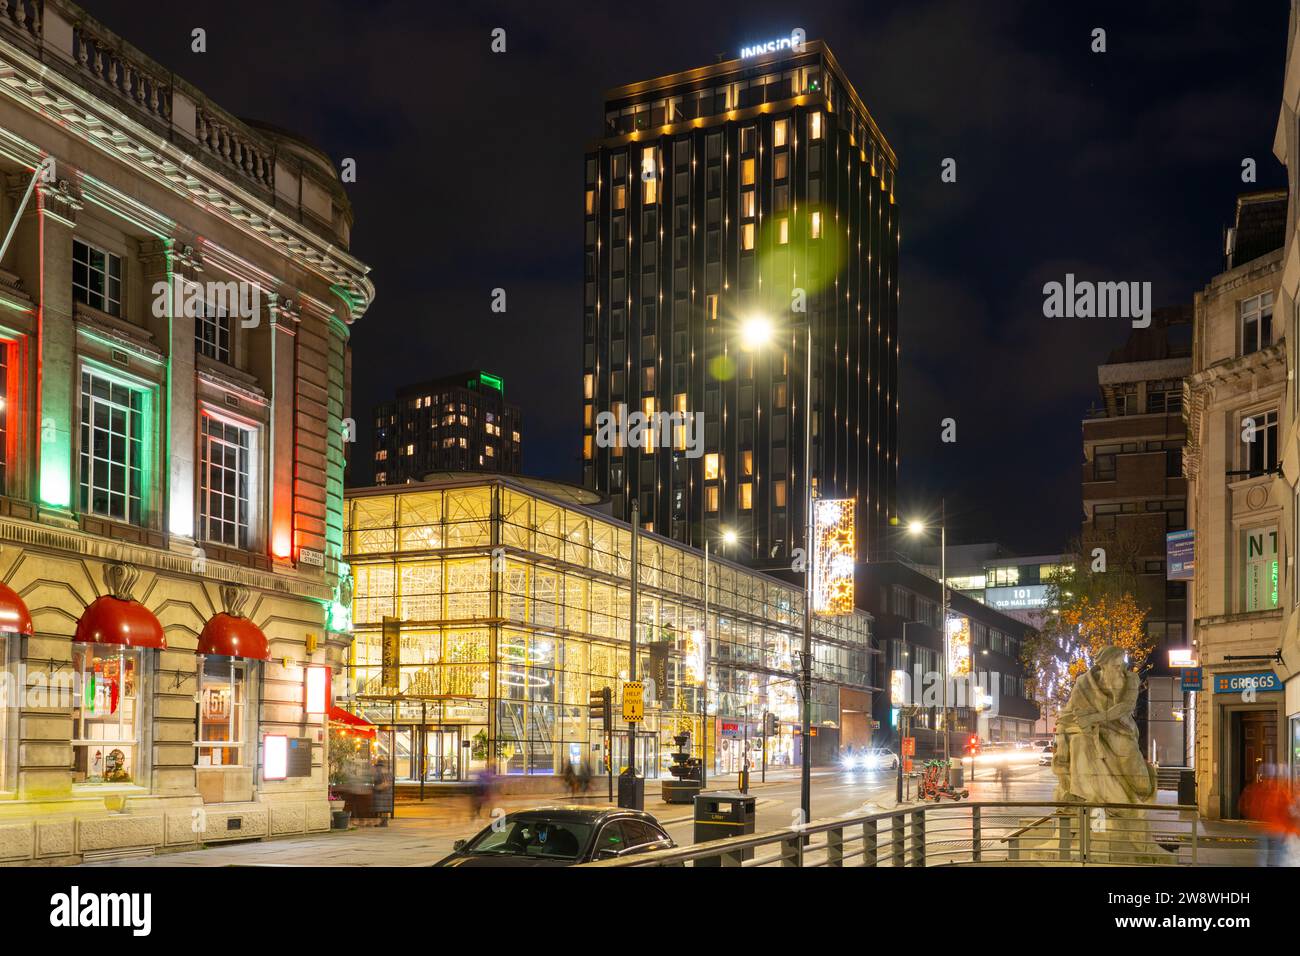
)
(970, 833)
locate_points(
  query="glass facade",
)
(514, 607)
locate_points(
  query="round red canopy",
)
(14, 616)
(110, 620)
(232, 636)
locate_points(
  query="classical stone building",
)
(174, 310)
(1286, 146)
(1233, 402)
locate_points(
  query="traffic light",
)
(598, 705)
(770, 725)
(973, 744)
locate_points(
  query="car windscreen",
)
(534, 837)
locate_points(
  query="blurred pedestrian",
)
(1004, 778)
(570, 778)
(584, 776)
(1270, 802)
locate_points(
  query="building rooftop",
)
(1259, 227)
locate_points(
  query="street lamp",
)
(756, 332)
(728, 537)
(917, 528)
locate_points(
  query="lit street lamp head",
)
(755, 333)
(728, 537)
(915, 527)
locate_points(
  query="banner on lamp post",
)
(834, 553)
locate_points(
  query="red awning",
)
(355, 724)
(232, 636)
(110, 620)
(14, 616)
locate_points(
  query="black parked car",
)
(561, 836)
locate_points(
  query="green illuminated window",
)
(112, 439)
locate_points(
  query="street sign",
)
(907, 765)
(1193, 678)
(909, 747)
(633, 704)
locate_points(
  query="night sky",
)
(1116, 166)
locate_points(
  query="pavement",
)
(422, 833)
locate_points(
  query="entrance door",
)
(647, 754)
(1255, 743)
(442, 754)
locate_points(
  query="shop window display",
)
(223, 693)
(106, 717)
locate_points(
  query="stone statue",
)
(1098, 758)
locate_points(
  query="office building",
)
(456, 423)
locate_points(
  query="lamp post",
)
(728, 537)
(755, 333)
(917, 528)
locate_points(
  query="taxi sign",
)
(633, 703)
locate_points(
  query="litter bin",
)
(1187, 787)
(721, 814)
(631, 791)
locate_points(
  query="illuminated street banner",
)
(897, 688)
(958, 647)
(833, 556)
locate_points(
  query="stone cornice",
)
(79, 111)
(35, 537)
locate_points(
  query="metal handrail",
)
(958, 834)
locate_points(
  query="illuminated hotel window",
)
(588, 385)
(591, 201)
(815, 125)
(783, 231)
(711, 466)
(223, 694)
(620, 197)
(96, 278)
(711, 498)
(746, 496)
(778, 395)
(586, 447)
(747, 205)
(651, 191)
(224, 492)
(679, 402)
(106, 715)
(587, 415)
(747, 172)
(747, 463)
(778, 494)
(112, 437)
(747, 236)
(779, 132)
(815, 226)
(782, 166)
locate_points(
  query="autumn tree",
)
(1092, 603)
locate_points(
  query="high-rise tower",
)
(752, 193)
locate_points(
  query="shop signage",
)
(1261, 682)
(793, 43)
(1180, 555)
(1193, 678)
(275, 757)
(1182, 657)
(909, 746)
(311, 556)
(730, 730)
